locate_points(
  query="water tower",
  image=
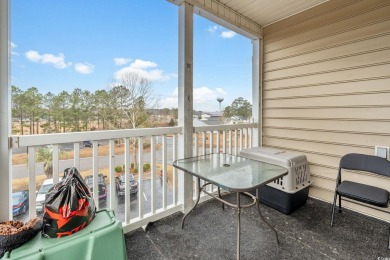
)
(220, 99)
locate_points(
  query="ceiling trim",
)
(225, 16)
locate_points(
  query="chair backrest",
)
(364, 162)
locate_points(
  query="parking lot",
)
(134, 205)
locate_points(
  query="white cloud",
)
(84, 68)
(213, 29)
(121, 61)
(46, 58)
(205, 99)
(228, 34)
(13, 46)
(145, 69)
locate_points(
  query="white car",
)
(46, 185)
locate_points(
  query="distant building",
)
(235, 120)
(212, 118)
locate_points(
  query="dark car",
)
(19, 202)
(87, 144)
(120, 185)
(102, 185)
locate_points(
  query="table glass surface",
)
(230, 172)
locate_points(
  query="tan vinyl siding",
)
(326, 89)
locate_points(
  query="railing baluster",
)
(196, 153)
(112, 173)
(174, 184)
(246, 137)
(153, 175)
(55, 162)
(141, 193)
(95, 172)
(127, 181)
(196, 150)
(251, 137)
(224, 141)
(211, 141)
(218, 142)
(235, 142)
(204, 142)
(31, 182)
(241, 132)
(165, 173)
(76, 155)
(230, 141)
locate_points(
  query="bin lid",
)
(275, 156)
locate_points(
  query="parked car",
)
(46, 185)
(88, 144)
(19, 202)
(120, 185)
(102, 185)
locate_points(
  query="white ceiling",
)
(265, 12)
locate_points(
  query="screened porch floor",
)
(210, 233)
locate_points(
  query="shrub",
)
(171, 122)
(118, 169)
(146, 166)
(131, 165)
(135, 170)
(146, 144)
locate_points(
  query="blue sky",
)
(63, 45)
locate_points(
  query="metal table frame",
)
(238, 205)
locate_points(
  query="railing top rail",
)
(198, 129)
(60, 138)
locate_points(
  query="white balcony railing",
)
(155, 198)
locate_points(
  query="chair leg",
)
(334, 207)
(389, 237)
(339, 203)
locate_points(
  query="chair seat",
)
(364, 193)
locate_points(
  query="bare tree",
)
(134, 100)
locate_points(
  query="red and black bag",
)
(69, 206)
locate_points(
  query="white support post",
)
(256, 92)
(5, 116)
(95, 172)
(174, 170)
(185, 99)
(165, 173)
(111, 173)
(31, 182)
(141, 194)
(76, 149)
(56, 164)
(127, 180)
(153, 175)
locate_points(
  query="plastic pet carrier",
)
(289, 192)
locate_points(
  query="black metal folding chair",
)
(358, 191)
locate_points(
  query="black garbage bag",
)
(15, 233)
(69, 206)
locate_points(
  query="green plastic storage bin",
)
(101, 239)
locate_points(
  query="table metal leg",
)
(219, 194)
(196, 203)
(266, 222)
(239, 225)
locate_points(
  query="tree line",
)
(128, 104)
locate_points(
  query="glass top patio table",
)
(230, 172)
